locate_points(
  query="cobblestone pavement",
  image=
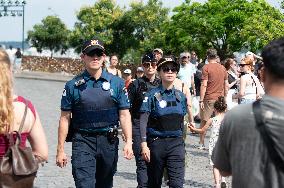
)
(46, 95)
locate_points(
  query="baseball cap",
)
(167, 59)
(148, 58)
(91, 45)
(249, 53)
(127, 71)
(140, 69)
(158, 50)
(182, 55)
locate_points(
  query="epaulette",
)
(178, 96)
(158, 96)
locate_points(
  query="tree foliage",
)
(96, 21)
(51, 34)
(227, 25)
(138, 29)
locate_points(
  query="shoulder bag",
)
(273, 154)
(19, 166)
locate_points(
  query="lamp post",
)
(14, 8)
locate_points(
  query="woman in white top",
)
(250, 87)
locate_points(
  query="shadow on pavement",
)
(126, 175)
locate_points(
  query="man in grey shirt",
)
(241, 150)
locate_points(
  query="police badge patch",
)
(106, 86)
(162, 103)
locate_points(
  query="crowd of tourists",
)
(240, 102)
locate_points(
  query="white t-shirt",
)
(186, 72)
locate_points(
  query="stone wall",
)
(47, 64)
(67, 65)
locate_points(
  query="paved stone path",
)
(46, 95)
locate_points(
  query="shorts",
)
(206, 113)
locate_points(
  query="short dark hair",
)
(211, 53)
(273, 58)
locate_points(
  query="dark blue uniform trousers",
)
(166, 153)
(141, 167)
(94, 161)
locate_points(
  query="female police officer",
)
(163, 111)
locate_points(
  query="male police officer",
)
(97, 101)
(136, 91)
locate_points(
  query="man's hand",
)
(145, 152)
(61, 159)
(127, 151)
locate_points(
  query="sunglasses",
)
(95, 53)
(242, 65)
(147, 65)
(168, 69)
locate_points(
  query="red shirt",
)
(4, 139)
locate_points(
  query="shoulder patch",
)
(80, 82)
(145, 99)
(64, 93)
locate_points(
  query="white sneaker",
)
(223, 182)
(201, 147)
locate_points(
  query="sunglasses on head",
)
(168, 69)
(242, 65)
(147, 65)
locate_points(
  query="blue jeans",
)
(166, 153)
(91, 154)
(141, 167)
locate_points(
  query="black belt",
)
(85, 133)
(161, 137)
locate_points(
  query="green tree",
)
(227, 25)
(139, 28)
(96, 21)
(51, 34)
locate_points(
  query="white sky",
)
(36, 10)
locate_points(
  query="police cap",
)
(149, 57)
(93, 45)
(167, 59)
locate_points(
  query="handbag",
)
(19, 166)
(273, 154)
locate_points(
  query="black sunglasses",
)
(168, 69)
(242, 65)
(147, 65)
(95, 53)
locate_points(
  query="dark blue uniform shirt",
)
(71, 94)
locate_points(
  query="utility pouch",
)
(112, 135)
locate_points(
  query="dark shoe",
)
(197, 119)
(223, 185)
